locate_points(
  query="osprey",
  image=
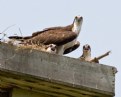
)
(63, 37)
(74, 47)
(86, 55)
(51, 48)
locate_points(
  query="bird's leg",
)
(60, 50)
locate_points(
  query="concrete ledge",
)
(53, 74)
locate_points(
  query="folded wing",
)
(57, 37)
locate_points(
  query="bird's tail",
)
(20, 38)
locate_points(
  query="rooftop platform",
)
(24, 71)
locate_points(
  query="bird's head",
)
(77, 23)
(86, 52)
(51, 48)
(86, 48)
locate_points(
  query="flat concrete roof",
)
(54, 74)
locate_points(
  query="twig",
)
(100, 57)
(5, 30)
(20, 32)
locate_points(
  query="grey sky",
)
(101, 26)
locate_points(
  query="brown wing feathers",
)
(58, 37)
(54, 37)
(67, 28)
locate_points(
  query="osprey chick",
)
(51, 48)
(86, 55)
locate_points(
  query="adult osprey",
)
(63, 37)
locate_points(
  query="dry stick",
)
(20, 32)
(5, 30)
(100, 57)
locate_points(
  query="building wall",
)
(26, 93)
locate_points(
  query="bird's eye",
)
(76, 17)
(89, 47)
(51, 45)
(83, 47)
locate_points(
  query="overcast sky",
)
(101, 25)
